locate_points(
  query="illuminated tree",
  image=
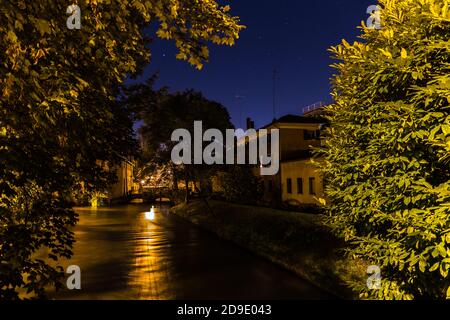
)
(387, 150)
(58, 112)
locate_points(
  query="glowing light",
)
(150, 215)
(94, 202)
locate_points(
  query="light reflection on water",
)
(152, 273)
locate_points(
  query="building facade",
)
(301, 182)
(125, 184)
(298, 181)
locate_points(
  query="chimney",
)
(250, 124)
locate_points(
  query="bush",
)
(241, 186)
(388, 148)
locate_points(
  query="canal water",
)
(122, 255)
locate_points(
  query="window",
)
(311, 134)
(299, 185)
(312, 185)
(289, 185)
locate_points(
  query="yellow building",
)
(298, 181)
(301, 182)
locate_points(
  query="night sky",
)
(289, 35)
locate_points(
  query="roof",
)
(300, 155)
(290, 118)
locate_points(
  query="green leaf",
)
(446, 129)
(404, 54)
(422, 265)
(434, 267)
(43, 26)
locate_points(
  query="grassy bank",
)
(296, 241)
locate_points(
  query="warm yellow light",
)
(94, 202)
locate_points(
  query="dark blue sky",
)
(290, 35)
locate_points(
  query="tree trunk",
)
(174, 177)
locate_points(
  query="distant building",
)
(125, 184)
(314, 110)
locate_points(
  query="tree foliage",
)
(241, 185)
(387, 150)
(59, 113)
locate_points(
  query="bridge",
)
(153, 195)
